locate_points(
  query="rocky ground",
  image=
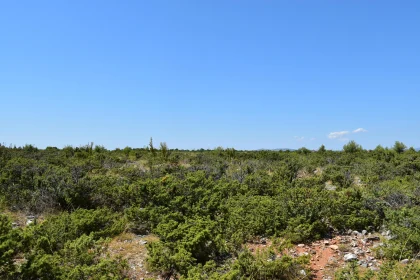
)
(328, 255)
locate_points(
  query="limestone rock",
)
(350, 257)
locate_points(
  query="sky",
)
(201, 74)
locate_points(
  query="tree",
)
(165, 152)
(151, 147)
(379, 149)
(304, 151)
(322, 149)
(399, 147)
(352, 147)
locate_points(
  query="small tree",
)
(303, 150)
(379, 149)
(399, 147)
(352, 147)
(164, 151)
(322, 149)
(151, 147)
(230, 152)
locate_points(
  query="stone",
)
(334, 247)
(363, 264)
(364, 232)
(373, 238)
(386, 233)
(405, 261)
(326, 242)
(301, 245)
(369, 258)
(350, 257)
(345, 240)
(359, 252)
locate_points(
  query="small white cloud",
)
(338, 134)
(298, 138)
(359, 130)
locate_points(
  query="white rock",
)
(350, 257)
(334, 247)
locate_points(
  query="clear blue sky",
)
(201, 74)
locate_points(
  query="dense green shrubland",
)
(203, 205)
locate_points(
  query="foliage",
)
(399, 147)
(9, 247)
(352, 147)
(203, 205)
(390, 270)
(405, 226)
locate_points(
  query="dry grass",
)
(132, 248)
(304, 174)
(20, 217)
(318, 171)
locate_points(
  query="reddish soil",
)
(321, 257)
(326, 256)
